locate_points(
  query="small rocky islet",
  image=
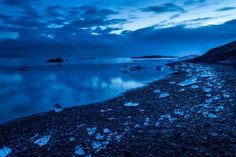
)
(189, 113)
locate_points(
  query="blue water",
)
(38, 85)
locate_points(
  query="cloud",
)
(19, 3)
(54, 11)
(183, 40)
(56, 23)
(26, 22)
(150, 40)
(194, 2)
(87, 30)
(167, 7)
(4, 17)
(226, 8)
(192, 23)
(92, 12)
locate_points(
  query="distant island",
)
(152, 56)
(55, 60)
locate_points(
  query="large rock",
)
(225, 54)
(55, 60)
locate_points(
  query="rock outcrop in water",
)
(131, 68)
(225, 54)
(55, 60)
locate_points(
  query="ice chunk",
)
(210, 115)
(194, 86)
(163, 95)
(207, 106)
(207, 90)
(226, 95)
(167, 117)
(131, 68)
(217, 97)
(189, 81)
(105, 110)
(157, 91)
(5, 151)
(208, 101)
(137, 126)
(127, 129)
(79, 150)
(82, 125)
(91, 130)
(58, 108)
(187, 116)
(219, 108)
(71, 139)
(106, 130)
(189, 70)
(172, 82)
(132, 104)
(99, 136)
(109, 137)
(141, 110)
(179, 112)
(118, 138)
(43, 141)
(146, 121)
(208, 95)
(96, 144)
(126, 123)
(157, 124)
(182, 90)
(159, 68)
(206, 74)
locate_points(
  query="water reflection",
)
(37, 90)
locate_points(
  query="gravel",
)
(188, 122)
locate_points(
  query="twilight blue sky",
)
(114, 28)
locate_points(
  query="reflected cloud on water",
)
(36, 90)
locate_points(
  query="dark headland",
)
(191, 112)
(225, 54)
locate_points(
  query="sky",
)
(30, 28)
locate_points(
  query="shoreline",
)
(161, 123)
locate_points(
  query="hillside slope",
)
(225, 54)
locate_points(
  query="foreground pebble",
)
(5, 151)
